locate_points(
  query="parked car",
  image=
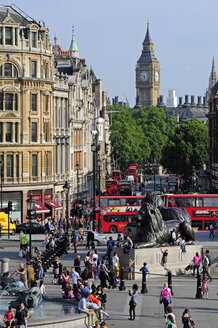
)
(25, 227)
(99, 238)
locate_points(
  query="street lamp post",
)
(77, 177)
(31, 215)
(66, 188)
(99, 195)
(94, 149)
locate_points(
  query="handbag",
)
(191, 323)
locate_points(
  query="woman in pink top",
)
(196, 261)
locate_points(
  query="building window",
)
(34, 132)
(34, 102)
(16, 40)
(1, 132)
(9, 166)
(46, 132)
(33, 39)
(17, 166)
(8, 70)
(1, 101)
(16, 132)
(9, 132)
(9, 101)
(34, 165)
(15, 102)
(8, 35)
(33, 68)
(46, 103)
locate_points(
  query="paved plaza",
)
(149, 312)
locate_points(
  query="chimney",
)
(186, 100)
(204, 102)
(192, 100)
(180, 101)
(199, 101)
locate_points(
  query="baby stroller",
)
(112, 279)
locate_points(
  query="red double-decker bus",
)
(112, 187)
(116, 175)
(132, 171)
(203, 208)
(115, 222)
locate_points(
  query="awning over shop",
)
(54, 205)
(40, 208)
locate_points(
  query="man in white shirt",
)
(115, 260)
(75, 277)
(174, 237)
(82, 306)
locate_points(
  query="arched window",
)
(8, 70)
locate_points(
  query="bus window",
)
(184, 202)
(210, 201)
(114, 202)
(208, 222)
(199, 202)
(123, 201)
(197, 224)
(104, 201)
(107, 218)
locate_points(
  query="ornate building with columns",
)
(75, 123)
(26, 109)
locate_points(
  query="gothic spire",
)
(147, 39)
(73, 47)
(213, 76)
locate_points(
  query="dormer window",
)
(8, 35)
(33, 34)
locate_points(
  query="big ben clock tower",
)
(147, 75)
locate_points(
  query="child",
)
(130, 269)
(170, 323)
(205, 289)
(9, 317)
(144, 268)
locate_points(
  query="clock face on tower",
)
(144, 76)
(156, 76)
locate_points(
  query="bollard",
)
(198, 292)
(144, 289)
(170, 281)
(4, 265)
(122, 282)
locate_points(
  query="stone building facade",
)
(26, 109)
(84, 119)
(50, 105)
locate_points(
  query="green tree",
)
(187, 147)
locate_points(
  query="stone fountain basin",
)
(52, 312)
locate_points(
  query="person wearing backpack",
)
(110, 244)
(187, 320)
(165, 297)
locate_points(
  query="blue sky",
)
(109, 34)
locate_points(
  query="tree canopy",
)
(139, 135)
(148, 135)
(187, 147)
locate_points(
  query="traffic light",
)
(10, 207)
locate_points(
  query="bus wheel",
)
(113, 229)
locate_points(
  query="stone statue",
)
(154, 223)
